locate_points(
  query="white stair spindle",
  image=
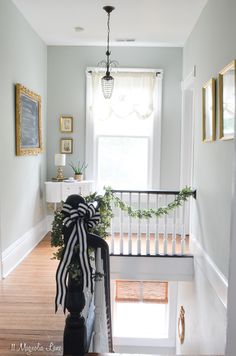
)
(183, 231)
(156, 243)
(139, 229)
(129, 231)
(112, 233)
(165, 240)
(147, 229)
(174, 233)
(98, 303)
(121, 229)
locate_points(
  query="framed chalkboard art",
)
(28, 122)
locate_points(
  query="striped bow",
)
(85, 216)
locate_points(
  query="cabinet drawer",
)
(69, 189)
(58, 191)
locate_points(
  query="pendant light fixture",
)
(108, 80)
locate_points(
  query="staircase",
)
(146, 264)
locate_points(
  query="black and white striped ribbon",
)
(81, 218)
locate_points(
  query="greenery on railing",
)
(105, 203)
(105, 210)
(183, 195)
(56, 235)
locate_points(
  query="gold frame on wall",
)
(227, 101)
(63, 148)
(66, 124)
(28, 122)
(209, 111)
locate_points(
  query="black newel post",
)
(75, 332)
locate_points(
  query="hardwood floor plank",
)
(28, 323)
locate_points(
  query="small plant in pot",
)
(78, 169)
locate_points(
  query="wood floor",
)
(27, 318)
(28, 323)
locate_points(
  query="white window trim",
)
(170, 340)
(155, 152)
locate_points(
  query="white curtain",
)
(132, 96)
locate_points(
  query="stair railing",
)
(165, 235)
(83, 300)
(83, 332)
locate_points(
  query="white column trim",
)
(187, 85)
(155, 173)
(89, 131)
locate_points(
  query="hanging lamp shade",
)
(107, 85)
(107, 80)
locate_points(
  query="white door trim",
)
(187, 139)
(187, 128)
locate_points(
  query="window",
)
(144, 313)
(123, 133)
(119, 161)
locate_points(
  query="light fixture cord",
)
(108, 40)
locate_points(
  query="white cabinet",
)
(58, 191)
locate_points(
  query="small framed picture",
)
(66, 145)
(227, 100)
(66, 124)
(209, 111)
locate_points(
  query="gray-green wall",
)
(67, 91)
(23, 59)
(210, 47)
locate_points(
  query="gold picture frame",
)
(66, 124)
(66, 145)
(28, 122)
(227, 84)
(209, 111)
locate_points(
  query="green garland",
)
(183, 195)
(105, 208)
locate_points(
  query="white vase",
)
(79, 177)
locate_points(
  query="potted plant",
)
(78, 169)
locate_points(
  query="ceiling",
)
(147, 22)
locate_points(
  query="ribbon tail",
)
(62, 272)
(84, 257)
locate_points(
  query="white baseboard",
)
(17, 251)
(216, 278)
